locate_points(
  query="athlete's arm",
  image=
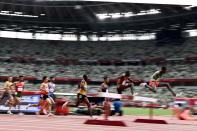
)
(131, 80)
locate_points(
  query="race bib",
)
(20, 89)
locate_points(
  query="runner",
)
(105, 84)
(155, 82)
(45, 102)
(52, 87)
(19, 87)
(44, 89)
(125, 82)
(9, 94)
(82, 92)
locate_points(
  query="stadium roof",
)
(169, 2)
(52, 16)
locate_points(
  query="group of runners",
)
(13, 90)
(123, 82)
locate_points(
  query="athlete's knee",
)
(131, 87)
(88, 104)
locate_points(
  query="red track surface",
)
(75, 123)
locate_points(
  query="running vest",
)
(8, 85)
(19, 86)
(85, 85)
(156, 76)
(44, 89)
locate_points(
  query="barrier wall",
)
(62, 80)
(33, 97)
(27, 98)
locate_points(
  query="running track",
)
(75, 123)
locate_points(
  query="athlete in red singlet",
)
(19, 87)
(45, 102)
(44, 89)
(125, 82)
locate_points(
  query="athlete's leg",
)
(48, 105)
(131, 86)
(145, 85)
(10, 103)
(52, 98)
(168, 86)
(4, 95)
(121, 88)
(16, 101)
(86, 101)
(42, 104)
(78, 100)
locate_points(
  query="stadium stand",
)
(95, 50)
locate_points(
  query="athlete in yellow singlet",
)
(9, 93)
(7, 89)
(82, 92)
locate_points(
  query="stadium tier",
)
(183, 70)
(120, 50)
